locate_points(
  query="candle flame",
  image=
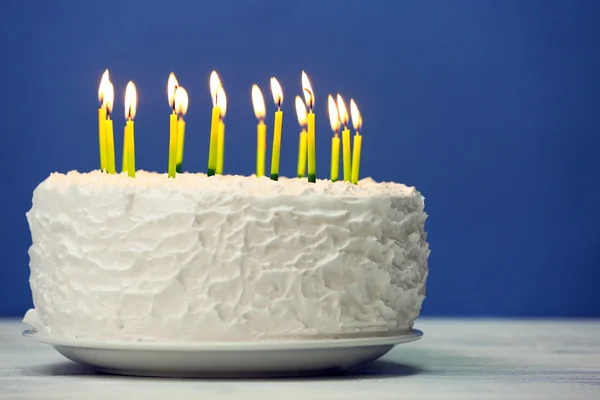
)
(258, 102)
(301, 111)
(334, 118)
(222, 101)
(109, 97)
(130, 101)
(172, 86)
(343, 112)
(181, 101)
(308, 92)
(356, 117)
(214, 84)
(101, 87)
(277, 92)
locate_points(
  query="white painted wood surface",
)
(456, 359)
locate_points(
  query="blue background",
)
(490, 108)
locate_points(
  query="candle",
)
(181, 106)
(258, 102)
(172, 86)
(343, 113)
(214, 84)
(334, 120)
(357, 122)
(301, 113)
(124, 155)
(278, 98)
(102, 119)
(310, 101)
(109, 97)
(130, 109)
(222, 103)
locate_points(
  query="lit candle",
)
(357, 122)
(124, 155)
(258, 102)
(301, 113)
(130, 109)
(222, 105)
(181, 106)
(310, 101)
(334, 120)
(102, 119)
(214, 84)
(343, 113)
(278, 98)
(172, 86)
(109, 97)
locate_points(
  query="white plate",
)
(225, 359)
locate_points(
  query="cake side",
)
(223, 258)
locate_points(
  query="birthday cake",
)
(225, 258)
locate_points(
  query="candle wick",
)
(107, 113)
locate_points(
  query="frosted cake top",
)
(249, 185)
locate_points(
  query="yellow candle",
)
(181, 106)
(102, 137)
(180, 142)
(276, 151)
(130, 110)
(312, 157)
(172, 86)
(102, 94)
(130, 140)
(220, 148)
(357, 122)
(346, 152)
(310, 101)
(335, 158)
(110, 146)
(173, 145)
(258, 102)
(302, 154)
(301, 114)
(356, 157)
(334, 120)
(222, 105)
(124, 157)
(276, 145)
(343, 113)
(214, 84)
(214, 134)
(261, 148)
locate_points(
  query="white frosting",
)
(223, 258)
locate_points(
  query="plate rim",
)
(284, 344)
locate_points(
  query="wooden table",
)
(456, 359)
